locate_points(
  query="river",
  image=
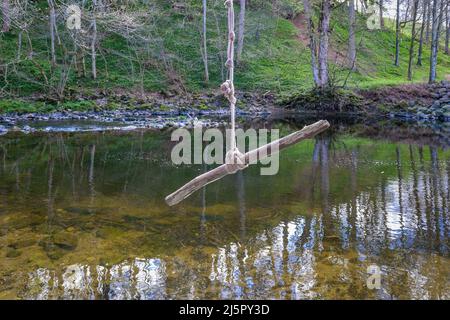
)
(82, 216)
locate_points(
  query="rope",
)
(234, 159)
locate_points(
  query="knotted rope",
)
(234, 159)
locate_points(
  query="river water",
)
(82, 216)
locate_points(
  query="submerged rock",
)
(80, 211)
(55, 253)
(26, 221)
(59, 244)
(101, 234)
(65, 240)
(12, 253)
(22, 243)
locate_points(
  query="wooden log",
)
(250, 157)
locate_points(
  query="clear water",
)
(82, 216)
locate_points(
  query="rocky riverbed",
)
(131, 112)
(116, 120)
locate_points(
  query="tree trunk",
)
(434, 41)
(440, 22)
(413, 38)
(427, 37)
(381, 4)
(19, 45)
(323, 42)
(6, 18)
(220, 47)
(52, 23)
(312, 42)
(240, 46)
(397, 35)
(422, 29)
(406, 15)
(91, 180)
(447, 31)
(364, 3)
(205, 50)
(351, 35)
(94, 40)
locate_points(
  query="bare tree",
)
(240, 44)
(413, 38)
(94, 40)
(351, 35)
(397, 35)
(52, 24)
(323, 42)
(441, 21)
(23, 16)
(447, 31)
(434, 40)
(425, 6)
(204, 50)
(6, 17)
(381, 11)
(429, 8)
(312, 41)
(319, 53)
(220, 45)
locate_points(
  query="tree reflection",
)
(365, 204)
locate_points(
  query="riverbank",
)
(426, 102)
(421, 102)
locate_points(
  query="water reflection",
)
(82, 217)
(139, 279)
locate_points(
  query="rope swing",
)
(234, 159)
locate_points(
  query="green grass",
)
(273, 60)
(19, 106)
(376, 59)
(9, 105)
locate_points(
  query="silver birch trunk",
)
(427, 37)
(220, 48)
(413, 38)
(447, 31)
(351, 35)
(434, 41)
(440, 22)
(381, 4)
(52, 23)
(205, 48)
(19, 45)
(312, 42)
(397, 35)
(323, 43)
(94, 41)
(240, 44)
(6, 18)
(422, 30)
